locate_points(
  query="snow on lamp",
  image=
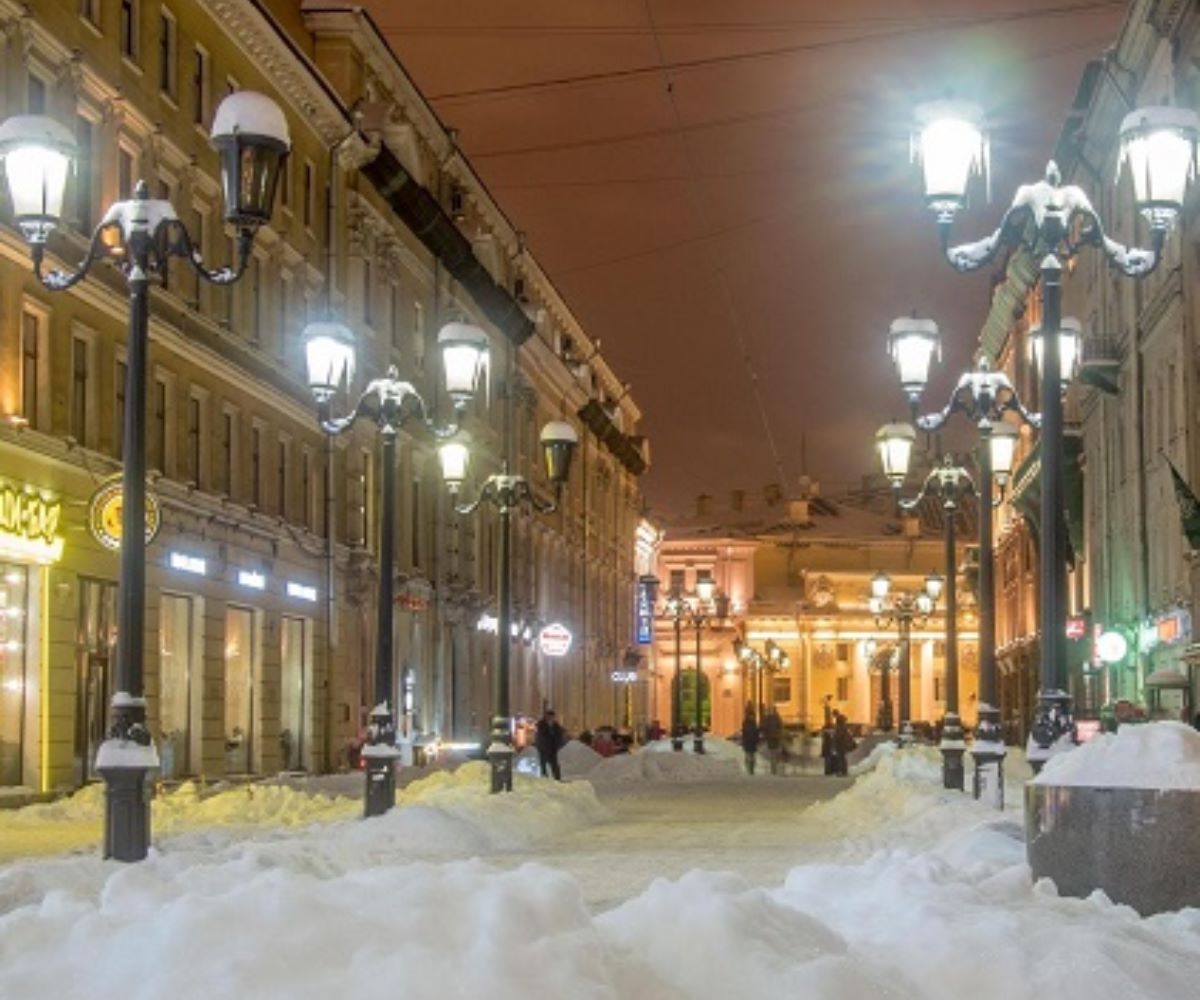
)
(558, 440)
(250, 134)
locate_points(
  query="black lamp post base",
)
(953, 747)
(126, 813)
(988, 751)
(381, 780)
(698, 742)
(1053, 728)
(906, 737)
(500, 758)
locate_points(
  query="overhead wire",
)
(696, 206)
(502, 91)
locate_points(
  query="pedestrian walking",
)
(843, 743)
(550, 737)
(772, 731)
(750, 736)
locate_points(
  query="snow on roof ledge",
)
(250, 113)
(1155, 755)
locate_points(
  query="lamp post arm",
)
(487, 493)
(59, 280)
(445, 431)
(182, 246)
(1133, 262)
(967, 257)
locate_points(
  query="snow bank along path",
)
(901, 890)
(1155, 755)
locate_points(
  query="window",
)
(84, 213)
(938, 694)
(198, 238)
(367, 296)
(366, 490)
(418, 332)
(285, 184)
(228, 431)
(306, 488)
(310, 194)
(843, 689)
(285, 315)
(159, 429)
(119, 410)
(89, 10)
(843, 652)
(168, 58)
(79, 388)
(199, 85)
(256, 466)
(281, 477)
(195, 438)
(125, 170)
(164, 194)
(781, 689)
(415, 527)
(35, 95)
(394, 299)
(128, 32)
(31, 350)
(677, 582)
(256, 290)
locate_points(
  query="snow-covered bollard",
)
(1120, 814)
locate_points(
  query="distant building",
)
(798, 573)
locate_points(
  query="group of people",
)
(770, 733)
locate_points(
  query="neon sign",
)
(29, 526)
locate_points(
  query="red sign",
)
(1076, 627)
(554, 640)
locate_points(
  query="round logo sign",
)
(105, 512)
(554, 640)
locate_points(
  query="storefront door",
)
(13, 681)
(94, 643)
(175, 684)
(241, 655)
(295, 693)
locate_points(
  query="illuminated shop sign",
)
(188, 564)
(1076, 627)
(29, 526)
(644, 613)
(248, 578)
(624, 676)
(554, 640)
(1171, 627)
(301, 590)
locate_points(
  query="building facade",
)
(261, 578)
(798, 573)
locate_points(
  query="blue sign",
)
(643, 613)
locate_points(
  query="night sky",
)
(740, 241)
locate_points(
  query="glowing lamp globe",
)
(1002, 446)
(913, 344)
(934, 583)
(1158, 144)
(949, 143)
(251, 137)
(329, 356)
(1070, 347)
(37, 152)
(464, 351)
(453, 456)
(881, 583)
(894, 443)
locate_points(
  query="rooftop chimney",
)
(798, 511)
(703, 504)
(737, 499)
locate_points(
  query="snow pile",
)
(246, 805)
(1154, 755)
(673, 767)
(575, 759)
(714, 746)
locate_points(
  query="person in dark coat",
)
(550, 737)
(750, 736)
(843, 743)
(772, 732)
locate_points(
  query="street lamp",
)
(507, 493)
(695, 610)
(1053, 222)
(761, 663)
(140, 235)
(390, 403)
(949, 483)
(984, 397)
(901, 609)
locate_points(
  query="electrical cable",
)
(502, 91)
(696, 206)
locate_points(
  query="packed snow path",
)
(658, 878)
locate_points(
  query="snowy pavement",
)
(659, 879)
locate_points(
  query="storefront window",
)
(239, 690)
(295, 697)
(175, 684)
(13, 596)
(94, 643)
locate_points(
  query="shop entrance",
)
(241, 658)
(95, 642)
(295, 693)
(14, 707)
(178, 690)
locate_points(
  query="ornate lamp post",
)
(140, 236)
(900, 609)
(507, 493)
(389, 403)
(696, 611)
(984, 397)
(1054, 222)
(949, 483)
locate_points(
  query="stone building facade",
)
(798, 573)
(261, 581)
